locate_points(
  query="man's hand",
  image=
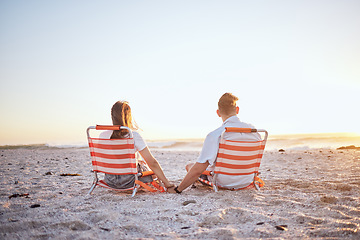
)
(193, 174)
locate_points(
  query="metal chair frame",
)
(93, 157)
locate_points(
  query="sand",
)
(309, 194)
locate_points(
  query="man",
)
(227, 110)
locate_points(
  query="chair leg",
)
(135, 190)
(256, 182)
(213, 182)
(94, 183)
(92, 187)
(256, 186)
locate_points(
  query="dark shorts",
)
(127, 180)
(205, 177)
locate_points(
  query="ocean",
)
(275, 142)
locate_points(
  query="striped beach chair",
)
(116, 156)
(238, 158)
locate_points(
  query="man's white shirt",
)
(211, 147)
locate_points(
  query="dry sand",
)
(312, 194)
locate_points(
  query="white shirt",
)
(211, 147)
(139, 142)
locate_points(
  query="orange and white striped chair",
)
(116, 156)
(238, 158)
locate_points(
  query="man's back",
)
(239, 181)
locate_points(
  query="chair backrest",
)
(112, 156)
(240, 157)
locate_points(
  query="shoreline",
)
(275, 142)
(170, 149)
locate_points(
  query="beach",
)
(308, 194)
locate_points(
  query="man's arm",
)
(193, 175)
(207, 156)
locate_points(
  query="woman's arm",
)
(155, 166)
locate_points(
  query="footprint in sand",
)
(303, 219)
(73, 225)
(96, 217)
(226, 216)
(132, 229)
(335, 233)
(224, 234)
(343, 187)
(328, 199)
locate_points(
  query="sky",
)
(295, 66)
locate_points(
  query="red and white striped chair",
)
(116, 156)
(238, 158)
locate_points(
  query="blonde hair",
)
(121, 115)
(227, 103)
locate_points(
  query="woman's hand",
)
(171, 189)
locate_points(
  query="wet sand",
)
(309, 194)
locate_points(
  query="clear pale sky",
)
(295, 66)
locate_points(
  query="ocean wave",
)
(43, 146)
(28, 146)
(300, 142)
(79, 145)
(184, 145)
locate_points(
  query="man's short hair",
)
(227, 103)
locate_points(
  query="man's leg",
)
(188, 166)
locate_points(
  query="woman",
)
(121, 115)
